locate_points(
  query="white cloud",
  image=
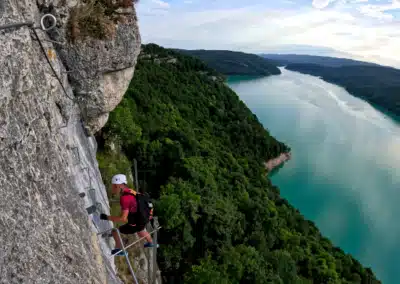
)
(378, 11)
(152, 8)
(161, 3)
(288, 2)
(257, 29)
(321, 4)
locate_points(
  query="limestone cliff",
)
(47, 156)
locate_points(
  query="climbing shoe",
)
(150, 245)
(120, 252)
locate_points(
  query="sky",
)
(366, 30)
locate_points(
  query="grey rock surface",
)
(99, 70)
(46, 155)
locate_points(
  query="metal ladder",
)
(125, 248)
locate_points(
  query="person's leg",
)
(129, 230)
(146, 235)
(124, 229)
(118, 244)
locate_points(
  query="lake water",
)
(345, 169)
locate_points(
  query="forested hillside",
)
(285, 59)
(234, 62)
(203, 152)
(376, 84)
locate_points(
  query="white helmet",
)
(119, 179)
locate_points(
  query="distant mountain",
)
(285, 59)
(376, 84)
(305, 50)
(234, 62)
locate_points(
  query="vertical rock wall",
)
(46, 155)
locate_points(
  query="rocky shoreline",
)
(276, 162)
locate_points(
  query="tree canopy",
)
(286, 59)
(203, 150)
(235, 62)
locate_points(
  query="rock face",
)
(99, 70)
(46, 155)
(276, 162)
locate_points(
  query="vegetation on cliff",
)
(234, 62)
(97, 18)
(204, 152)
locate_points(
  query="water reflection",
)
(345, 170)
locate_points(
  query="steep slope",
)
(202, 153)
(234, 62)
(376, 84)
(47, 156)
(285, 59)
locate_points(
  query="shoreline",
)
(278, 161)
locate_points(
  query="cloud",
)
(321, 4)
(161, 4)
(379, 11)
(259, 28)
(152, 8)
(288, 2)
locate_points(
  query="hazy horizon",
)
(365, 30)
(323, 52)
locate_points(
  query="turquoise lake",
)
(345, 169)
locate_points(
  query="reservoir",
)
(345, 169)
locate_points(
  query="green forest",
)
(286, 59)
(203, 152)
(235, 62)
(378, 85)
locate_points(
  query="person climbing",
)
(136, 211)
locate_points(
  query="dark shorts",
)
(129, 229)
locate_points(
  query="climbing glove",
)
(103, 216)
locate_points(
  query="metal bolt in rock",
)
(31, 24)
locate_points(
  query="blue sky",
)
(362, 29)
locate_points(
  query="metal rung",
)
(123, 248)
(97, 207)
(92, 209)
(92, 194)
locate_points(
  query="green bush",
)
(96, 18)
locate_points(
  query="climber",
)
(136, 211)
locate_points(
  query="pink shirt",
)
(128, 202)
